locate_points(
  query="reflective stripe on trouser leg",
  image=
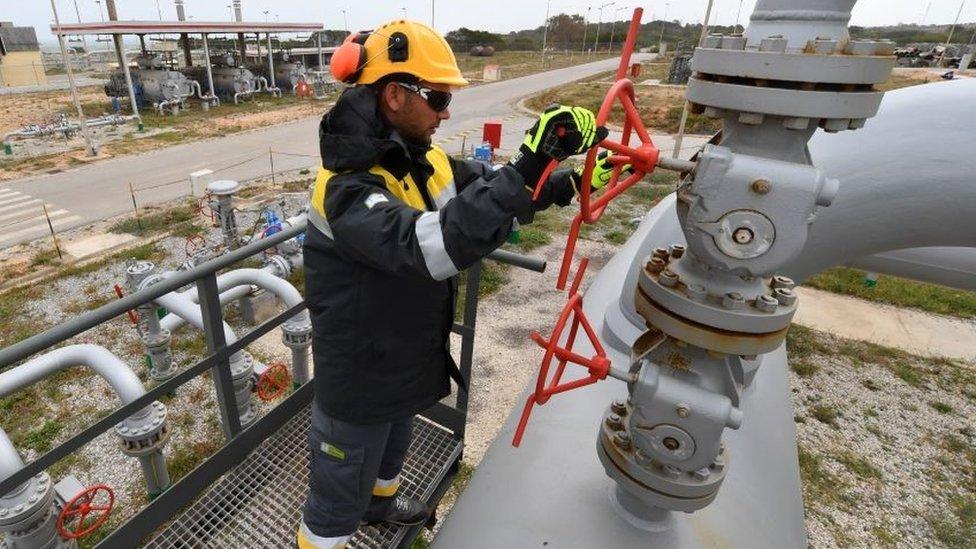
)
(307, 540)
(431, 239)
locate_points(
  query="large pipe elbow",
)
(109, 367)
(10, 460)
(906, 179)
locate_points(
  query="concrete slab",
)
(911, 331)
(85, 247)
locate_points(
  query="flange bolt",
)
(622, 440)
(682, 410)
(660, 252)
(701, 474)
(760, 186)
(696, 292)
(767, 303)
(668, 278)
(655, 265)
(780, 281)
(785, 296)
(676, 250)
(614, 422)
(618, 407)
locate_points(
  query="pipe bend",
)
(10, 460)
(109, 367)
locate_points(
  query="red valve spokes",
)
(273, 382)
(73, 521)
(597, 367)
(193, 242)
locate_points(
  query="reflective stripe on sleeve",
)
(446, 194)
(319, 221)
(431, 239)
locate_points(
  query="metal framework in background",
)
(261, 471)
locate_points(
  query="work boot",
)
(399, 509)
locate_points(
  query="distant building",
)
(20, 56)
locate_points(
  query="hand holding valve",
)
(560, 132)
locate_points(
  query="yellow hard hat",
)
(405, 47)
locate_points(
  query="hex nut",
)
(696, 292)
(682, 410)
(618, 407)
(796, 122)
(713, 112)
(767, 303)
(780, 281)
(733, 300)
(671, 471)
(668, 278)
(774, 43)
(622, 440)
(656, 265)
(660, 252)
(701, 474)
(751, 118)
(760, 186)
(676, 251)
(785, 296)
(833, 125)
(643, 459)
(614, 422)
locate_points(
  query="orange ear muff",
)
(347, 62)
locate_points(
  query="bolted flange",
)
(146, 434)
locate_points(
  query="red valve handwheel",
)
(133, 317)
(597, 366)
(273, 382)
(81, 507)
(192, 244)
(203, 208)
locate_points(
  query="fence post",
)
(467, 338)
(135, 208)
(213, 323)
(50, 226)
(271, 156)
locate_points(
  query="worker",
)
(392, 221)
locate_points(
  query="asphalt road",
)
(101, 190)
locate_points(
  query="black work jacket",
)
(380, 265)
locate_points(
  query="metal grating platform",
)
(259, 503)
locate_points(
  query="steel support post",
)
(271, 63)
(213, 321)
(467, 335)
(206, 57)
(124, 65)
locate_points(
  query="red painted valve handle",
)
(133, 317)
(193, 243)
(273, 382)
(81, 507)
(203, 207)
(598, 366)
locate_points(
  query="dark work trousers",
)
(346, 459)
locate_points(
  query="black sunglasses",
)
(437, 100)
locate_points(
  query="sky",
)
(493, 15)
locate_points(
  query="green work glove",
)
(602, 171)
(559, 133)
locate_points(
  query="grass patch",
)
(186, 457)
(885, 537)
(941, 407)
(819, 485)
(40, 439)
(154, 221)
(908, 374)
(531, 237)
(897, 291)
(958, 529)
(804, 367)
(859, 466)
(45, 256)
(825, 414)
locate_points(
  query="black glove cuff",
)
(529, 165)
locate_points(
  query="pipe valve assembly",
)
(715, 303)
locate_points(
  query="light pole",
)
(596, 41)
(664, 21)
(89, 145)
(613, 26)
(84, 41)
(545, 33)
(738, 12)
(345, 20)
(586, 25)
(952, 29)
(431, 13)
(159, 12)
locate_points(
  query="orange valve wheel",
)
(193, 244)
(273, 382)
(86, 511)
(598, 366)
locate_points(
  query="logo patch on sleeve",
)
(375, 199)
